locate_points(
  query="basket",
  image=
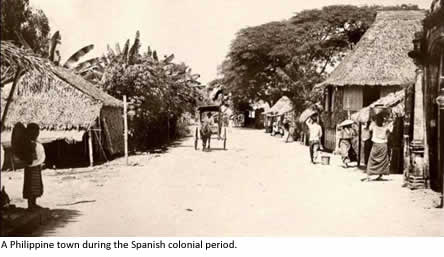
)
(325, 160)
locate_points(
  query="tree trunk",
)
(18, 74)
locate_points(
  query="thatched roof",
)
(393, 102)
(56, 106)
(53, 97)
(282, 106)
(381, 56)
(16, 57)
(71, 103)
(86, 87)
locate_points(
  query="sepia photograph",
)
(221, 118)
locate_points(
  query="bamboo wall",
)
(112, 129)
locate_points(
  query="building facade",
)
(427, 144)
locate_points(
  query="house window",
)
(352, 100)
(371, 94)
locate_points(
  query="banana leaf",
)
(77, 55)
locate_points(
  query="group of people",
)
(28, 150)
(375, 134)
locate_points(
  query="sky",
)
(198, 32)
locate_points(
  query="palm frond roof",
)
(381, 58)
(53, 97)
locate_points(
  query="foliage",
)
(289, 57)
(72, 62)
(19, 19)
(160, 92)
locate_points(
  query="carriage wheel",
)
(196, 139)
(225, 139)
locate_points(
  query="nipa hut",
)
(281, 107)
(378, 66)
(282, 110)
(78, 121)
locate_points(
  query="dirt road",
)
(260, 186)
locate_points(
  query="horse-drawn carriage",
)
(211, 124)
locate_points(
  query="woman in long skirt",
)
(35, 157)
(379, 161)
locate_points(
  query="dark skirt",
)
(367, 149)
(33, 183)
(378, 163)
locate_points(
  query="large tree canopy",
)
(18, 19)
(289, 57)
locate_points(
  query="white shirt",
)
(40, 151)
(315, 131)
(380, 134)
(366, 135)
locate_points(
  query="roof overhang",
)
(209, 108)
(48, 136)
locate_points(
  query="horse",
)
(205, 135)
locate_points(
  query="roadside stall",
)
(281, 113)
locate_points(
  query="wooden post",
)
(440, 102)
(90, 148)
(125, 124)
(17, 76)
(359, 144)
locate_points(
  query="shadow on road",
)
(58, 218)
(215, 149)
(173, 144)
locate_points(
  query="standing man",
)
(315, 131)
